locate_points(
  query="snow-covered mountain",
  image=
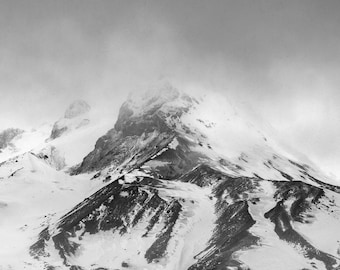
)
(76, 116)
(177, 182)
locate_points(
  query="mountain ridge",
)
(160, 164)
(181, 183)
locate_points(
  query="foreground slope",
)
(192, 184)
(32, 194)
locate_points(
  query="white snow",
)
(174, 143)
(31, 199)
(26, 141)
(34, 194)
(190, 235)
(272, 251)
(323, 230)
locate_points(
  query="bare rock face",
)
(8, 135)
(144, 126)
(77, 108)
(73, 119)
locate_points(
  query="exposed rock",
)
(8, 135)
(230, 235)
(203, 175)
(234, 220)
(140, 132)
(70, 121)
(115, 208)
(156, 156)
(280, 217)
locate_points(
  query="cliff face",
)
(141, 131)
(171, 198)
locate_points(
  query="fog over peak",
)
(280, 57)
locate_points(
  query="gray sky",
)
(281, 57)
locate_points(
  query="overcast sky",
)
(281, 57)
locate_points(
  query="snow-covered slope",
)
(35, 186)
(32, 194)
(184, 182)
(25, 142)
(65, 143)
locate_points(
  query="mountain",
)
(178, 182)
(75, 117)
(64, 143)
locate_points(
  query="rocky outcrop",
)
(233, 222)
(117, 208)
(8, 135)
(74, 118)
(140, 133)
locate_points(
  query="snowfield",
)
(32, 195)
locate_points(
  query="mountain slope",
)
(191, 184)
(32, 194)
(35, 186)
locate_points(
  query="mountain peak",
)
(153, 96)
(71, 119)
(175, 172)
(78, 107)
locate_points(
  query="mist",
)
(281, 58)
